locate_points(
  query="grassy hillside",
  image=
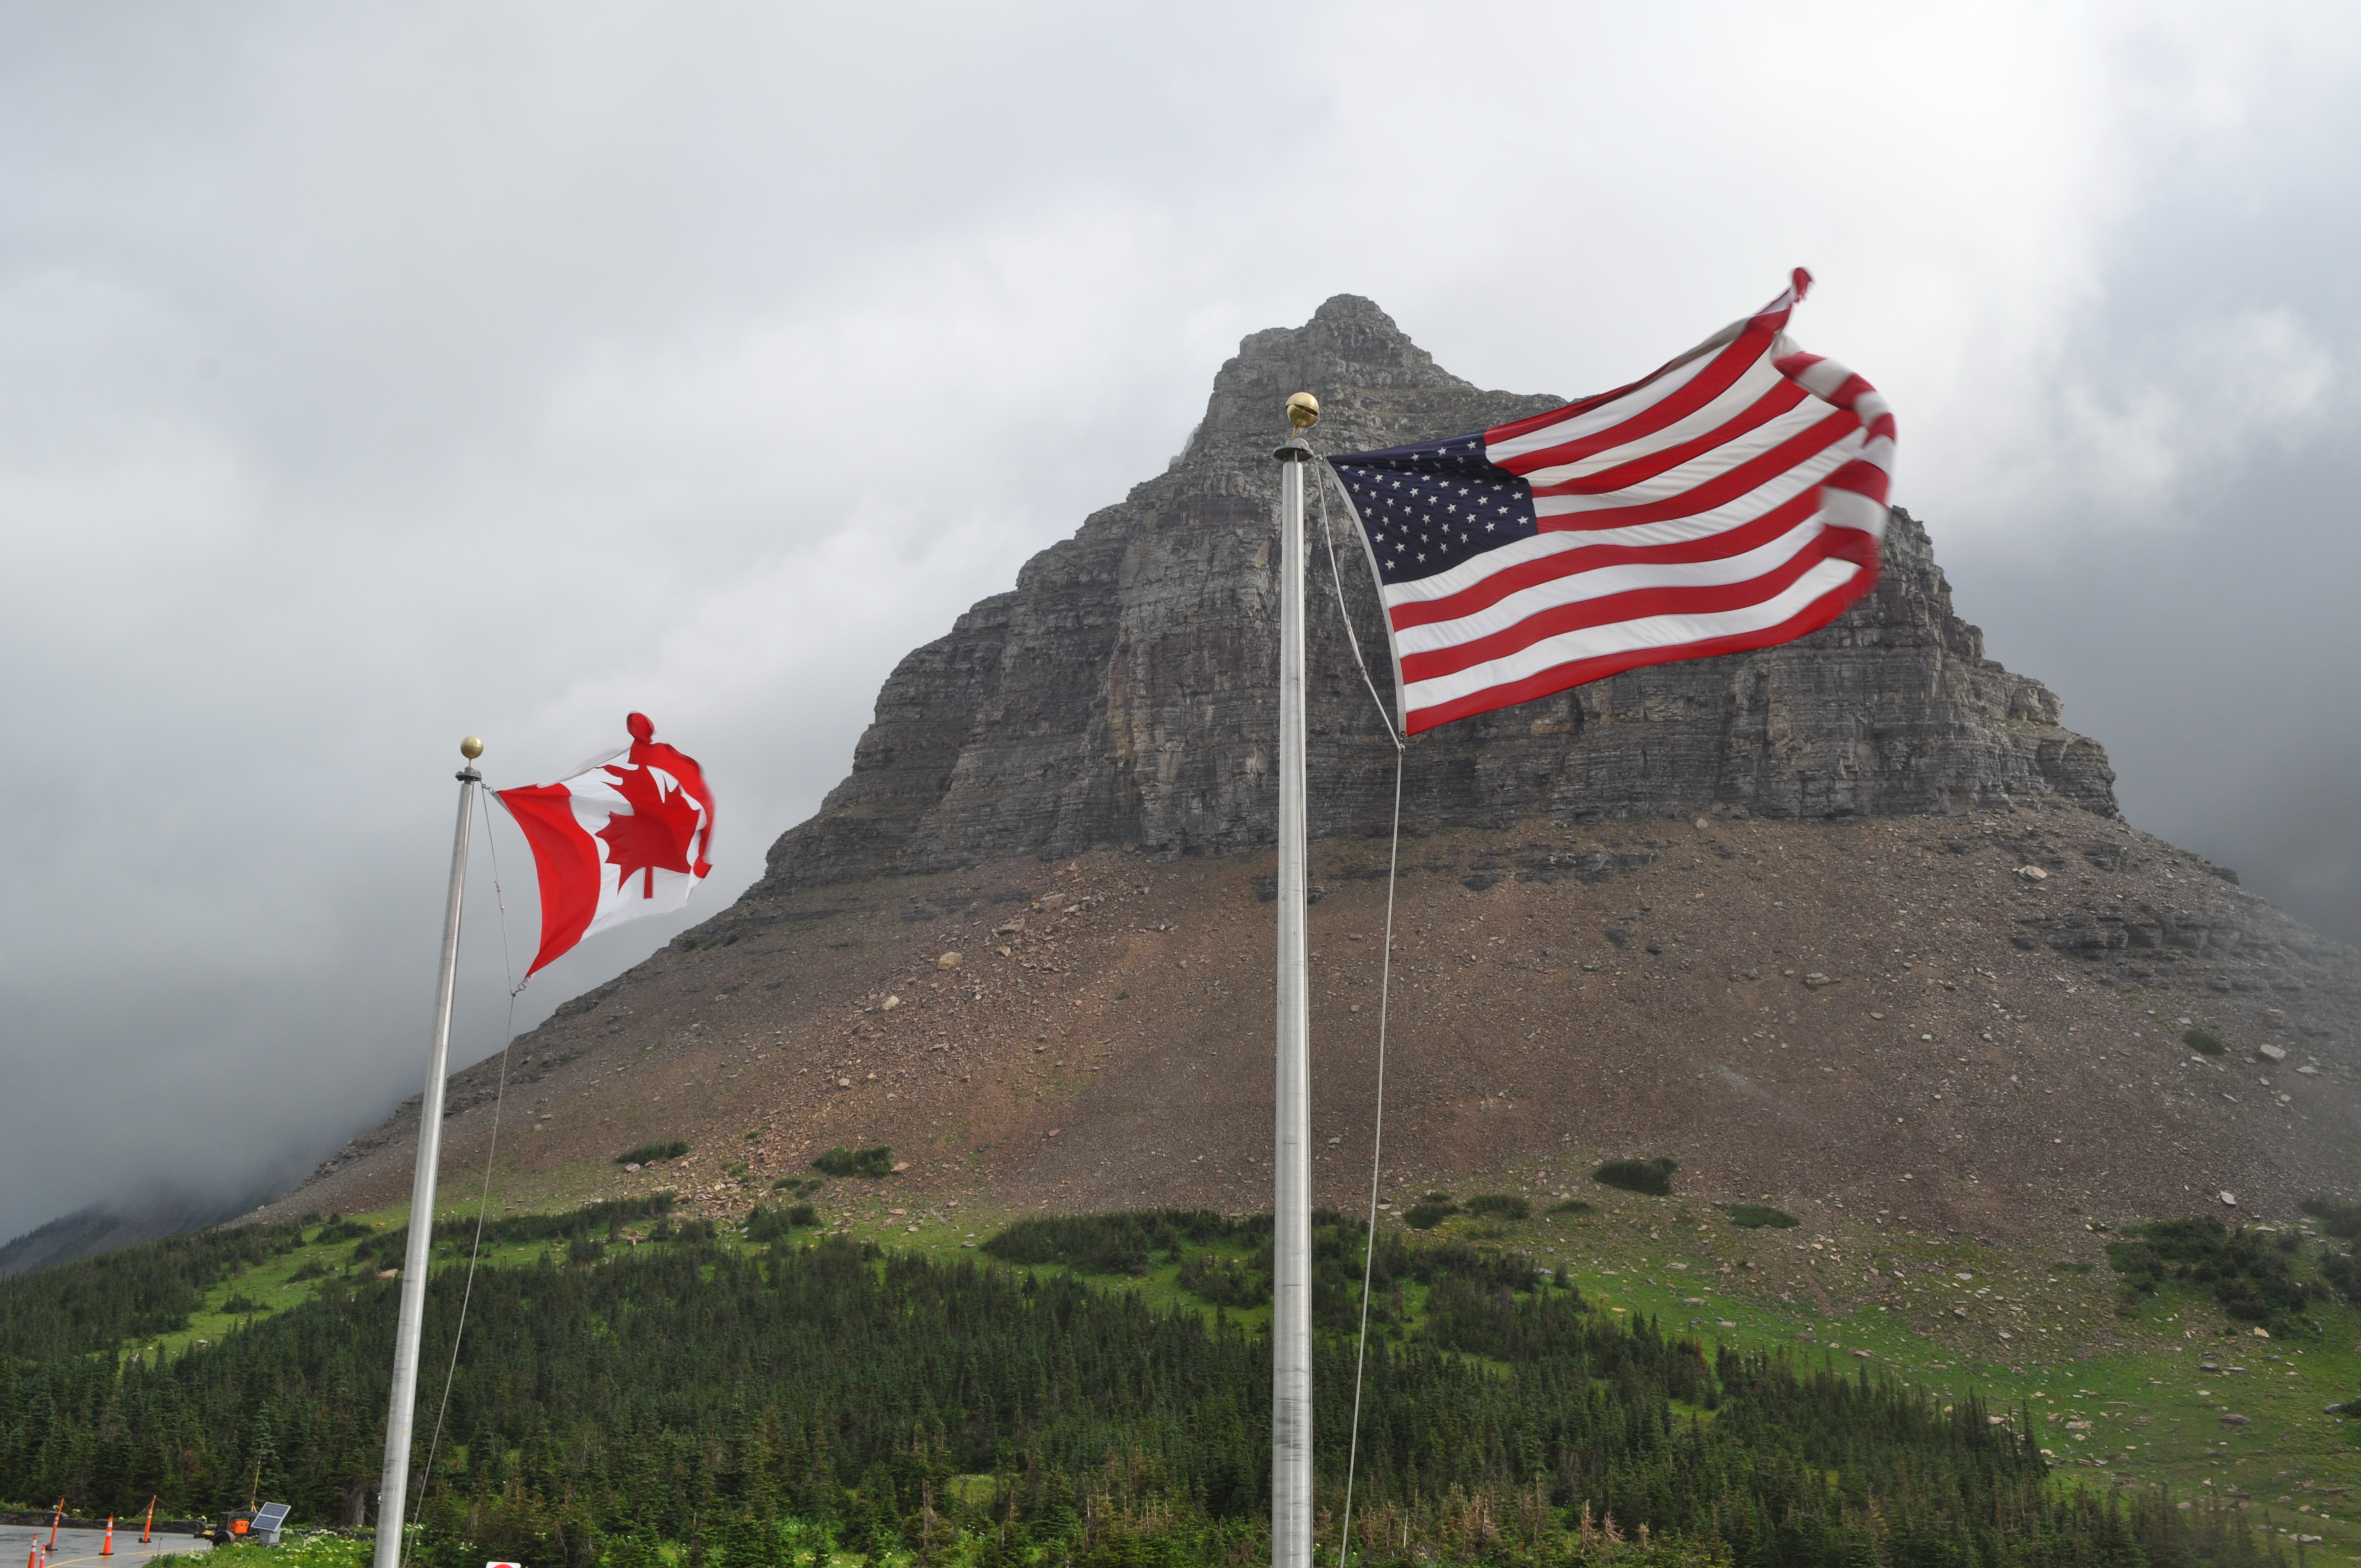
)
(633, 1388)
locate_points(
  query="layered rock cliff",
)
(1126, 692)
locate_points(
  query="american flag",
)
(1733, 500)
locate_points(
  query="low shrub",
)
(1653, 1176)
(1757, 1216)
(2203, 1042)
(1220, 1281)
(1576, 1206)
(2249, 1276)
(339, 1230)
(874, 1161)
(1429, 1212)
(649, 1154)
(1121, 1242)
(1499, 1206)
(777, 1224)
(2342, 1272)
(2340, 1217)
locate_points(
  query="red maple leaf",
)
(656, 834)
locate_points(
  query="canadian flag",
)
(628, 835)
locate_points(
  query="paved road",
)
(79, 1547)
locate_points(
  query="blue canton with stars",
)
(1431, 507)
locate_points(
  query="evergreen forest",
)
(638, 1393)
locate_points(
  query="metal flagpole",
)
(1291, 1354)
(393, 1483)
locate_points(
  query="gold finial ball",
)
(472, 747)
(1303, 410)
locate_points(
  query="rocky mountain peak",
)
(1124, 692)
(1349, 343)
(1375, 387)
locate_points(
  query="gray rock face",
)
(1125, 693)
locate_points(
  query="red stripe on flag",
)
(1845, 396)
(1862, 478)
(565, 859)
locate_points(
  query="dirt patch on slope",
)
(1894, 1015)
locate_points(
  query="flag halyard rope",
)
(1352, 638)
(1385, 995)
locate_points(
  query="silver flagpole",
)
(1290, 1353)
(393, 1483)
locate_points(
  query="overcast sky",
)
(374, 375)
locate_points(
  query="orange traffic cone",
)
(106, 1547)
(148, 1529)
(52, 1546)
(33, 1556)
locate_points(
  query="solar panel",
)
(269, 1517)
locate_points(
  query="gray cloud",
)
(376, 377)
